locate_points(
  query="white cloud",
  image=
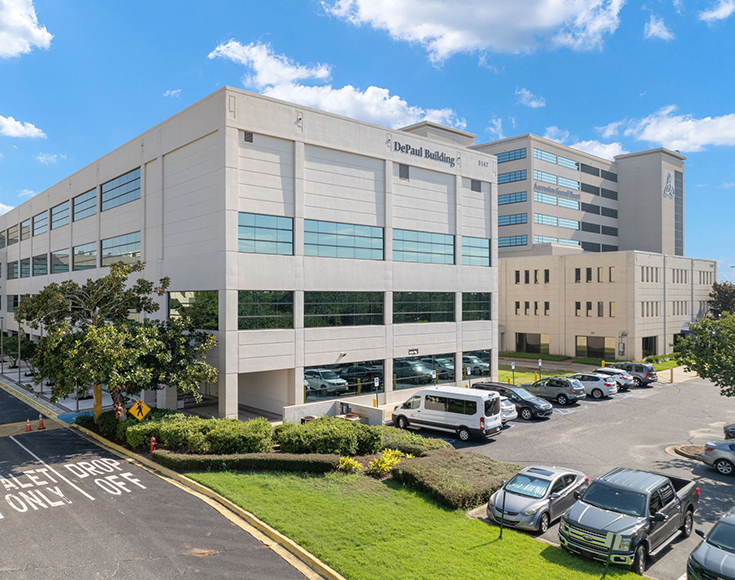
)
(727, 185)
(722, 10)
(173, 93)
(443, 28)
(610, 129)
(48, 158)
(5, 208)
(495, 128)
(526, 97)
(19, 29)
(683, 132)
(656, 28)
(604, 150)
(26, 193)
(278, 76)
(12, 128)
(553, 133)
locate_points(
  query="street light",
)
(2, 350)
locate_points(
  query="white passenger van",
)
(466, 412)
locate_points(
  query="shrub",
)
(408, 442)
(349, 465)
(107, 424)
(458, 480)
(328, 435)
(388, 459)
(233, 436)
(310, 463)
(86, 421)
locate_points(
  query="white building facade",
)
(304, 241)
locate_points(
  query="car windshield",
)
(523, 394)
(445, 362)
(528, 486)
(616, 500)
(329, 375)
(420, 367)
(723, 536)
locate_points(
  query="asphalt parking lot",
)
(634, 430)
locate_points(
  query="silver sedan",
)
(536, 496)
(720, 455)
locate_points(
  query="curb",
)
(31, 402)
(677, 449)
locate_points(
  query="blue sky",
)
(79, 78)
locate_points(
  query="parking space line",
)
(37, 458)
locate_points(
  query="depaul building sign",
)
(425, 153)
(556, 191)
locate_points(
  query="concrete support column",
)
(494, 364)
(296, 380)
(228, 351)
(458, 369)
(166, 398)
(388, 382)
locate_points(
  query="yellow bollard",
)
(535, 376)
(395, 381)
(375, 401)
(603, 363)
(467, 386)
(359, 387)
(508, 380)
(672, 375)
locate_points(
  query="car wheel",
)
(464, 434)
(688, 525)
(526, 414)
(639, 561)
(402, 422)
(596, 394)
(543, 523)
(562, 399)
(637, 382)
(724, 466)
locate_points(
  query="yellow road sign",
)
(139, 409)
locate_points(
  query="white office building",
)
(309, 244)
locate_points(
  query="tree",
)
(91, 339)
(709, 351)
(722, 298)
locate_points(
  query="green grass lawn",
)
(666, 365)
(371, 530)
(526, 374)
(551, 357)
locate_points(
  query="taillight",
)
(648, 375)
(586, 478)
(482, 423)
(697, 493)
(571, 390)
(709, 448)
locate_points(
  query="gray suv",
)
(642, 373)
(563, 390)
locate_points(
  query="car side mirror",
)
(554, 496)
(659, 517)
(700, 533)
(577, 495)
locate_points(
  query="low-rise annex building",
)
(313, 246)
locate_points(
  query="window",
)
(25, 268)
(475, 251)
(544, 198)
(121, 190)
(25, 230)
(512, 219)
(589, 275)
(508, 198)
(612, 309)
(59, 215)
(2, 239)
(507, 241)
(544, 155)
(590, 247)
(609, 212)
(569, 224)
(476, 185)
(535, 276)
(589, 309)
(609, 193)
(121, 249)
(342, 309)
(413, 307)
(12, 270)
(547, 220)
(569, 242)
(40, 223)
(526, 308)
(570, 183)
(84, 257)
(589, 170)
(518, 276)
(265, 234)
(423, 247)
(13, 301)
(532, 343)
(577, 309)
(600, 309)
(547, 276)
(547, 308)
(564, 162)
(577, 275)
(40, 265)
(609, 175)
(339, 240)
(568, 203)
(199, 307)
(526, 276)
(60, 261)
(545, 240)
(535, 308)
(84, 205)
(511, 176)
(609, 231)
(588, 227)
(590, 189)
(475, 306)
(678, 213)
(600, 272)
(591, 208)
(13, 234)
(543, 176)
(511, 155)
(518, 308)
(403, 172)
(247, 136)
(260, 309)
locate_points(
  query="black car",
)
(715, 556)
(367, 376)
(528, 406)
(730, 432)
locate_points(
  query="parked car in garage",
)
(366, 374)
(714, 557)
(476, 365)
(623, 378)
(643, 373)
(325, 380)
(535, 497)
(444, 367)
(720, 455)
(563, 390)
(596, 386)
(527, 405)
(412, 371)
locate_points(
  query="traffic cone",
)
(28, 425)
(40, 422)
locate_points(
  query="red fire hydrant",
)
(153, 444)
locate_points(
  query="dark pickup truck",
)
(633, 511)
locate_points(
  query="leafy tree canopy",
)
(709, 351)
(722, 298)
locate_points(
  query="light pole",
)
(20, 383)
(2, 350)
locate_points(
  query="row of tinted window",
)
(608, 175)
(508, 198)
(554, 179)
(556, 159)
(552, 240)
(506, 156)
(554, 200)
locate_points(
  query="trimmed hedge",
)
(329, 435)
(659, 358)
(86, 421)
(458, 480)
(108, 426)
(309, 463)
(408, 442)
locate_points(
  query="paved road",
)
(71, 510)
(632, 430)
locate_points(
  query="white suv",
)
(597, 386)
